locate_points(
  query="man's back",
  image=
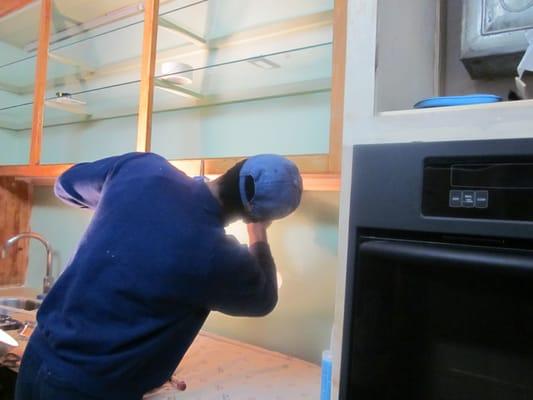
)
(152, 263)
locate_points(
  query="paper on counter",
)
(7, 339)
(526, 64)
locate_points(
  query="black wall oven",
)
(439, 301)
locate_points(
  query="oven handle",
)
(451, 255)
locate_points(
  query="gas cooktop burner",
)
(7, 323)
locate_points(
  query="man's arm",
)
(242, 281)
(257, 232)
(81, 185)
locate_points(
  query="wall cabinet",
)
(201, 82)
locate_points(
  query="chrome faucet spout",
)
(48, 279)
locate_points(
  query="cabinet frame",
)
(319, 171)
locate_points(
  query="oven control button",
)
(467, 199)
(455, 198)
(482, 199)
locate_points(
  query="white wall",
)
(88, 141)
(63, 227)
(14, 147)
(304, 247)
(407, 50)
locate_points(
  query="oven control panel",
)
(469, 199)
(478, 188)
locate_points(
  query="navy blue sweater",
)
(153, 262)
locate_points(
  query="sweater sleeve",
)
(81, 185)
(242, 280)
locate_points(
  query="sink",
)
(20, 303)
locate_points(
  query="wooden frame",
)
(315, 180)
(337, 88)
(40, 82)
(146, 95)
(8, 6)
(320, 171)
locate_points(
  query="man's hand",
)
(172, 383)
(177, 384)
(257, 232)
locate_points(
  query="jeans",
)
(36, 382)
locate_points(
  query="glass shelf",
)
(107, 55)
(82, 34)
(296, 71)
(16, 64)
(80, 55)
(278, 102)
(283, 73)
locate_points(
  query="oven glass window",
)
(446, 324)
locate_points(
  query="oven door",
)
(441, 321)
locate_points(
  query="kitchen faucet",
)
(48, 279)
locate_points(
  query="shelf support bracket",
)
(184, 33)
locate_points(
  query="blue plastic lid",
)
(447, 101)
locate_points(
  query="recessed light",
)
(176, 72)
(66, 98)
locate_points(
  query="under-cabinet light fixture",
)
(176, 72)
(66, 98)
(264, 63)
(65, 102)
(176, 89)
